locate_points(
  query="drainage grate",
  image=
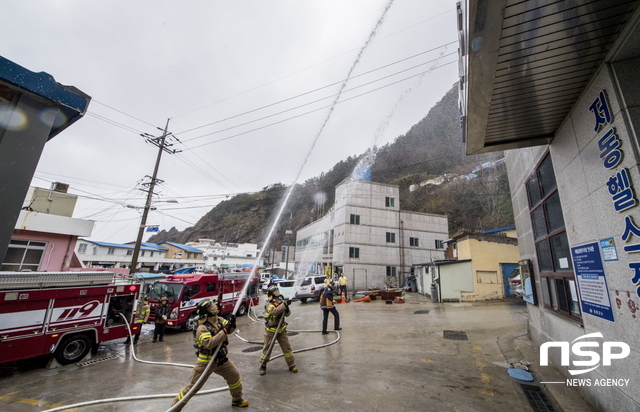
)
(292, 333)
(419, 312)
(97, 360)
(537, 399)
(455, 335)
(252, 349)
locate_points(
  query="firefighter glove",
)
(227, 328)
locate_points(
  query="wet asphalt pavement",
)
(389, 357)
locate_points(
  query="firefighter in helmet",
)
(275, 308)
(212, 331)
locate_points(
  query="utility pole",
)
(162, 146)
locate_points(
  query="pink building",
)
(45, 234)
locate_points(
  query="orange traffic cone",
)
(344, 298)
(364, 299)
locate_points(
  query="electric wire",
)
(315, 65)
(322, 98)
(308, 112)
(321, 88)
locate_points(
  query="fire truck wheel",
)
(242, 309)
(72, 349)
(191, 324)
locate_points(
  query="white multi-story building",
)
(226, 255)
(368, 238)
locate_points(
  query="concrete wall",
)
(589, 216)
(486, 266)
(335, 235)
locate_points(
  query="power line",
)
(319, 100)
(126, 114)
(311, 111)
(312, 66)
(320, 88)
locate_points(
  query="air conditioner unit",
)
(59, 187)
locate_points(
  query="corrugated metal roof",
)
(525, 63)
(183, 247)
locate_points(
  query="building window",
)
(439, 244)
(129, 252)
(82, 248)
(249, 255)
(552, 247)
(142, 253)
(111, 251)
(151, 254)
(391, 270)
(413, 241)
(354, 219)
(391, 237)
(23, 255)
(354, 252)
(389, 202)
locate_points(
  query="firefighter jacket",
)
(162, 311)
(326, 301)
(143, 312)
(208, 336)
(274, 310)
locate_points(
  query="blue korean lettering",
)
(600, 108)
(636, 267)
(629, 229)
(608, 145)
(632, 248)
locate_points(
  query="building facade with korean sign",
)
(556, 87)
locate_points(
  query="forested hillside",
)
(429, 149)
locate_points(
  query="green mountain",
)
(431, 148)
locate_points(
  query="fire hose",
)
(195, 389)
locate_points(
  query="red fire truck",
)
(185, 291)
(64, 315)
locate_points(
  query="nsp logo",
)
(578, 349)
(78, 312)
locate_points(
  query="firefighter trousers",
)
(228, 371)
(283, 340)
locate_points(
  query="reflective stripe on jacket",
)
(207, 340)
(142, 315)
(274, 310)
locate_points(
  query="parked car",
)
(310, 288)
(515, 284)
(286, 287)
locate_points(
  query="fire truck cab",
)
(63, 315)
(185, 291)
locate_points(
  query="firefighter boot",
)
(293, 369)
(263, 370)
(240, 402)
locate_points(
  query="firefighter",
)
(162, 313)
(275, 308)
(212, 331)
(142, 316)
(327, 305)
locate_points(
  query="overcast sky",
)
(247, 86)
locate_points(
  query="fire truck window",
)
(211, 287)
(171, 290)
(191, 291)
(117, 305)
